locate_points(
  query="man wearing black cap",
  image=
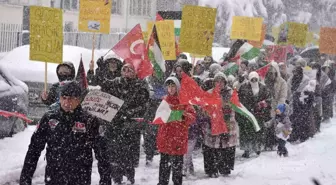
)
(70, 134)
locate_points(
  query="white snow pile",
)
(18, 63)
(312, 159)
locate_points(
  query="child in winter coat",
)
(172, 138)
(283, 128)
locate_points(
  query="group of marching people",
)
(288, 105)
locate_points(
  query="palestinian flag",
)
(263, 71)
(240, 109)
(231, 69)
(165, 115)
(248, 52)
(171, 15)
(155, 55)
(81, 75)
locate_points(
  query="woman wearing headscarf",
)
(301, 96)
(278, 91)
(257, 99)
(329, 91)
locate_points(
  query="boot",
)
(246, 154)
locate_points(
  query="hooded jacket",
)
(279, 90)
(54, 92)
(103, 72)
(172, 138)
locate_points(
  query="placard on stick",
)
(94, 16)
(328, 40)
(293, 33)
(248, 28)
(46, 34)
(197, 30)
(259, 44)
(165, 30)
(102, 105)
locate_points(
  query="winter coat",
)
(103, 73)
(247, 133)
(70, 138)
(195, 129)
(301, 109)
(279, 90)
(135, 95)
(54, 91)
(224, 140)
(172, 138)
(282, 125)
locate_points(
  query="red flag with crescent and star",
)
(191, 93)
(132, 49)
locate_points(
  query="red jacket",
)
(172, 137)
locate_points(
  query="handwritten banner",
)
(276, 53)
(259, 44)
(197, 30)
(328, 40)
(46, 34)
(166, 34)
(293, 33)
(248, 28)
(102, 105)
(94, 16)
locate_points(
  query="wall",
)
(11, 14)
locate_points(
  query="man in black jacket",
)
(124, 133)
(70, 134)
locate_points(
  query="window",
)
(140, 7)
(116, 7)
(66, 4)
(74, 4)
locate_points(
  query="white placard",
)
(102, 105)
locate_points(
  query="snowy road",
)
(315, 158)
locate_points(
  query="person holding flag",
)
(174, 120)
(257, 100)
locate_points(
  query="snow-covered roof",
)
(18, 64)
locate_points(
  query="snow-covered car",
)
(13, 99)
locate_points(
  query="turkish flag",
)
(132, 49)
(191, 93)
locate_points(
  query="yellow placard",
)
(248, 28)
(297, 34)
(293, 33)
(94, 16)
(197, 30)
(259, 44)
(311, 40)
(165, 31)
(46, 34)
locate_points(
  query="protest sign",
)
(248, 28)
(197, 30)
(293, 33)
(328, 40)
(259, 44)
(102, 105)
(94, 16)
(165, 31)
(46, 34)
(276, 53)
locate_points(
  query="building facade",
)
(125, 14)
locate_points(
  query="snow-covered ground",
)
(312, 159)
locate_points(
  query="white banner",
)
(102, 105)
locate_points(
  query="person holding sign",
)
(124, 133)
(65, 72)
(108, 67)
(70, 134)
(172, 139)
